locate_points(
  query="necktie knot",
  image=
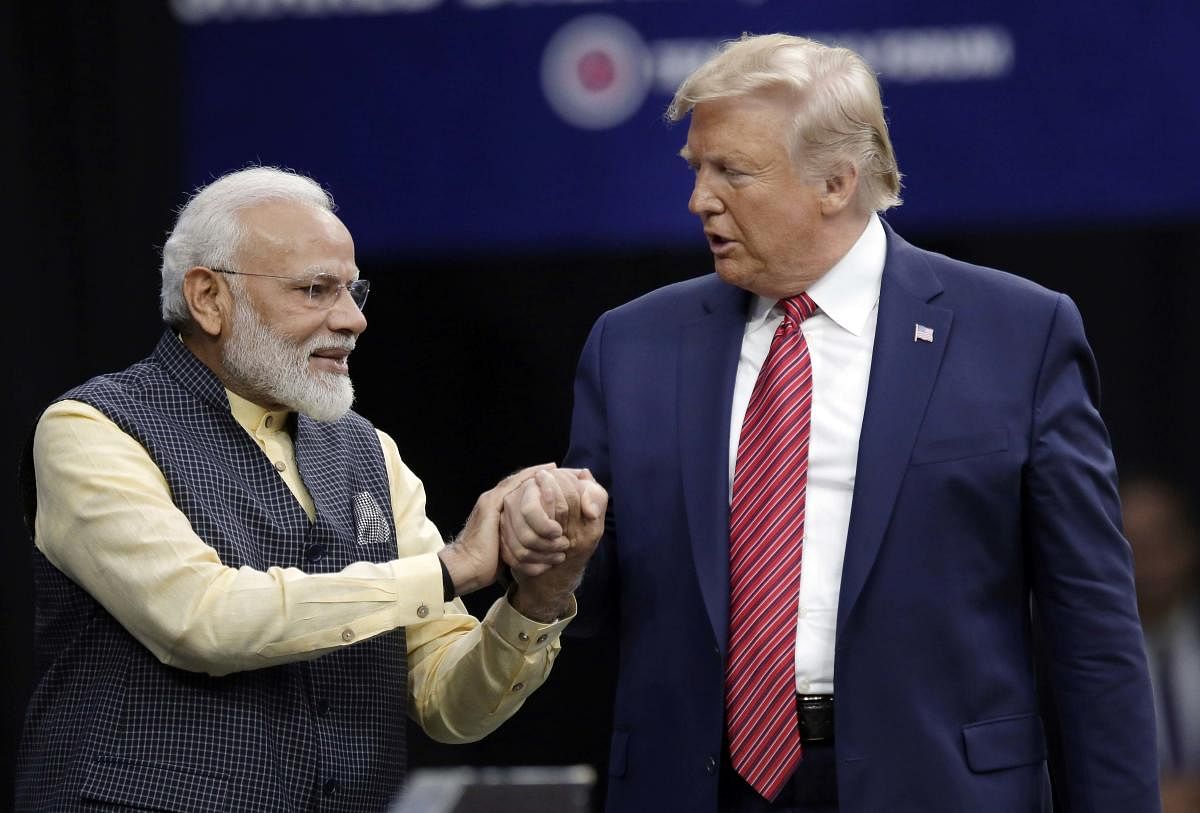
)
(797, 308)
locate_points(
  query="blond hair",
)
(838, 118)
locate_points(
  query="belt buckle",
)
(816, 718)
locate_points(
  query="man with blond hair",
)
(239, 596)
(862, 494)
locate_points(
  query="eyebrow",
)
(734, 157)
(315, 271)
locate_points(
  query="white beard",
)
(276, 369)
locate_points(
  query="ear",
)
(208, 300)
(839, 191)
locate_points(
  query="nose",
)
(345, 316)
(703, 201)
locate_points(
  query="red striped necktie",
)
(766, 531)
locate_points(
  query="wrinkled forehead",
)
(732, 123)
(295, 233)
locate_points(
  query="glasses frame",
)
(350, 287)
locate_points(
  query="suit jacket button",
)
(710, 765)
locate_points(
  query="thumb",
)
(593, 500)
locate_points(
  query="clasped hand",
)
(549, 527)
(544, 523)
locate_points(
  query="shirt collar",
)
(848, 292)
(255, 419)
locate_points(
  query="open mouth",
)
(719, 244)
(332, 360)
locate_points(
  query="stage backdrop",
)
(456, 126)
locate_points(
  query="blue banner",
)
(472, 126)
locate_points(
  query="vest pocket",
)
(156, 786)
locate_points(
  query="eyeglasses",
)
(323, 289)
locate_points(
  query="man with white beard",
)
(239, 595)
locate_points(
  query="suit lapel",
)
(903, 371)
(708, 358)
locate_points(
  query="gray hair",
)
(208, 231)
(839, 117)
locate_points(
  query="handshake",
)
(543, 523)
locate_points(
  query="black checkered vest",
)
(110, 723)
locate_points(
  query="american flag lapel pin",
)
(921, 333)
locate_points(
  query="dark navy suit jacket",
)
(984, 547)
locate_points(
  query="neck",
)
(838, 237)
(844, 231)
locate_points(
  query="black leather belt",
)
(816, 717)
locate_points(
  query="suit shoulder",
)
(964, 278)
(676, 301)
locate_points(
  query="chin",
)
(326, 398)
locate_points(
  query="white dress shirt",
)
(840, 336)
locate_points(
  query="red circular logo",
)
(596, 70)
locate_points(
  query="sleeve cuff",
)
(419, 586)
(448, 593)
(525, 634)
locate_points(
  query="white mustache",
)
(319, 343)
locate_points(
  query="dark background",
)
(469, 359)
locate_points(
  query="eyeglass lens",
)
(324, 290)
